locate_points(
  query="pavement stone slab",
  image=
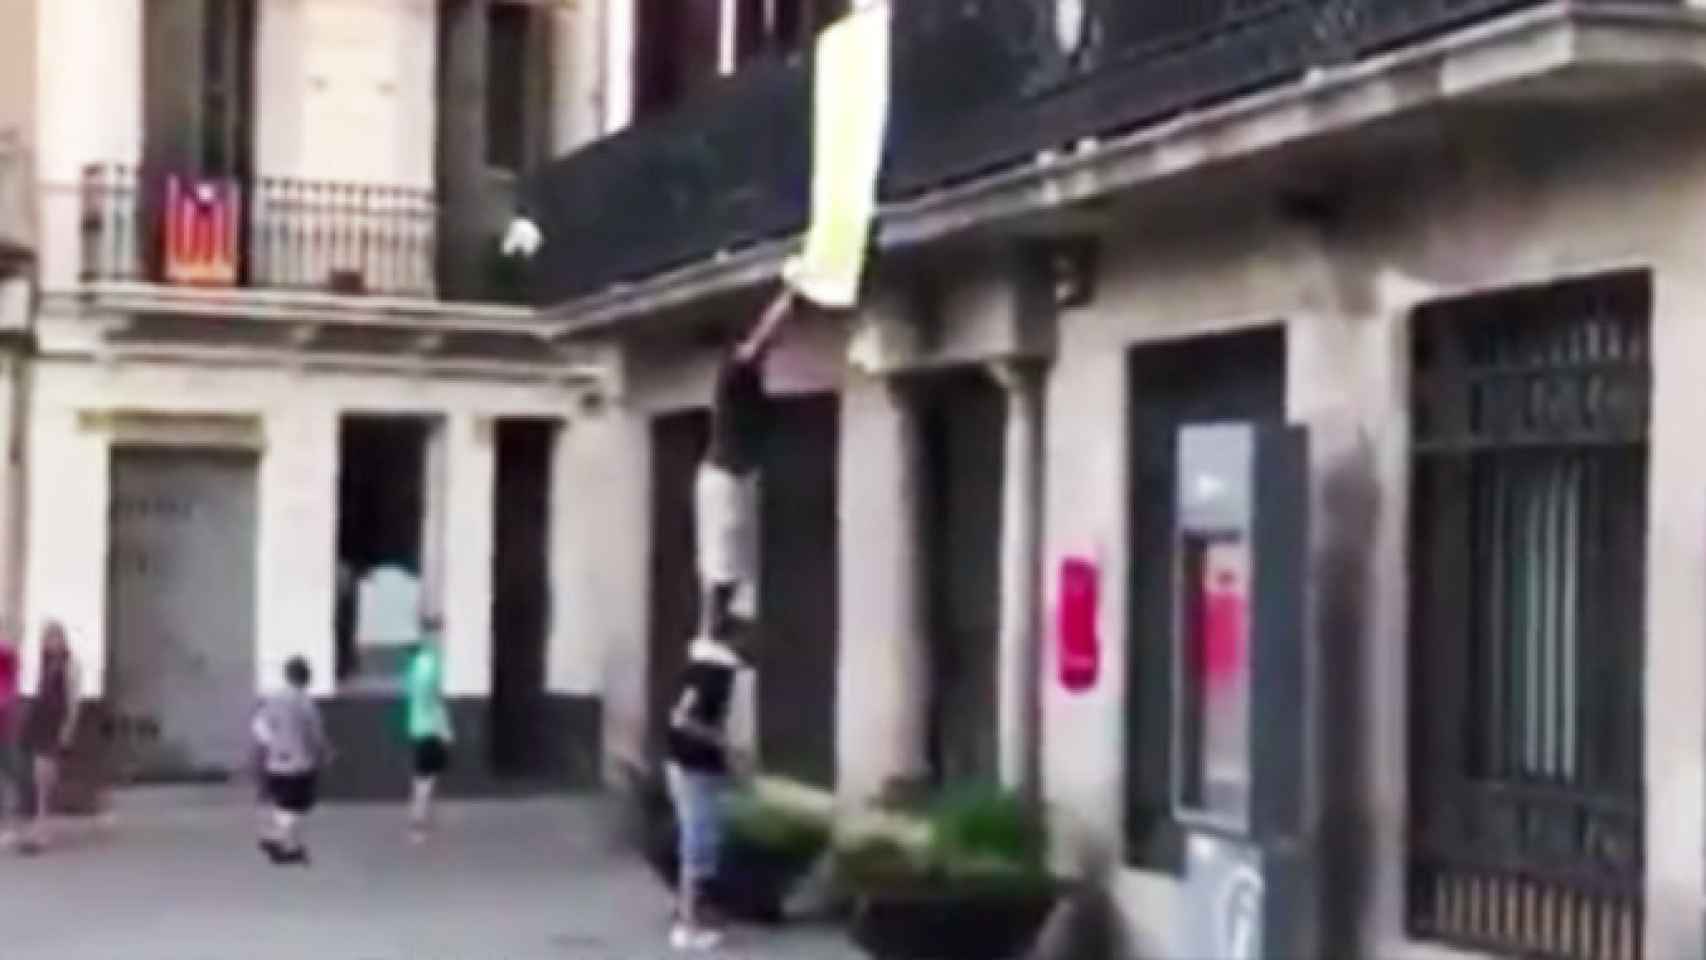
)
(176, 876)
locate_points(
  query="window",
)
(508, 104)
(1527, 557)
(198, 83)
(685, 45)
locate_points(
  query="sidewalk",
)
(176, 876)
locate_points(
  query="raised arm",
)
(774, 316)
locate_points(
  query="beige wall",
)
(18, 44)
(1517, 205)
(347, 91)
(298, 413)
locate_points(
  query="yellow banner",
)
(850, 117)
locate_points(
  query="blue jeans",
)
(698, 799)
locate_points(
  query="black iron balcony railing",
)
(982, 84)
(264, 233)
(728, 168)
(977, 85)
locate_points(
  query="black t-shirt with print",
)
(706, 689)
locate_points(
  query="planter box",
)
(950, 924)
(752, 884)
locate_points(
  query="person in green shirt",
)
(429, 730)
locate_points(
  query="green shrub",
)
(980, 838)
(984, 830)
(877, 862)
(776, 829)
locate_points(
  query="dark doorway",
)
(1228, 377)
(963, 423)
(198, 80)
(677, 443)
(382, 506)
(198, 61)
(521, 597)
(676, 52)
(798, 591)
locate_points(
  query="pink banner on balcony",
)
(202, 231)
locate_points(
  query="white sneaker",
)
(687, 938)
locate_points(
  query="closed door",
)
(964, 429)
(180, 612)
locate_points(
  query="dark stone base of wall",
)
(374, 761)
(373, 758)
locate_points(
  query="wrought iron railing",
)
(1528, 558)
(982, 84)
(978, 85)
(726, 169)
(266, 233)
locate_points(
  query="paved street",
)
(176, 877)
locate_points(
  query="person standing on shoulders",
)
(51, 728)
(429, 728)
(725, 492)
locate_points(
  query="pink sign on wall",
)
(1079, 647)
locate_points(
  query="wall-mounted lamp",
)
(1072, 266)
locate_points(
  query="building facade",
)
(276, 362)
(1454, 243)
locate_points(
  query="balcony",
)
(978, 86)
(729, 168)
(149, 227)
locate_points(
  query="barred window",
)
(1528, 541)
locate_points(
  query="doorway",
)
(798, 609)
(678, 441)
(521, 597)
(390, 491)
(963, 421)
(798, 590)
(180, 612)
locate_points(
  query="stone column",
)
(883, 679)
(470, 452)
(1676, 617)
(1021, 600)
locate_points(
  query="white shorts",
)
(725, 508)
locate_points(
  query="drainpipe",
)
(17, 299)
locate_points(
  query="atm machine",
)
(1240, 690)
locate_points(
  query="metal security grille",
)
(1528, 541)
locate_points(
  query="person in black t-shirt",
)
(725, 492)
(699, 762)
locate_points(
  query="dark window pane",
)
(506, 85)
